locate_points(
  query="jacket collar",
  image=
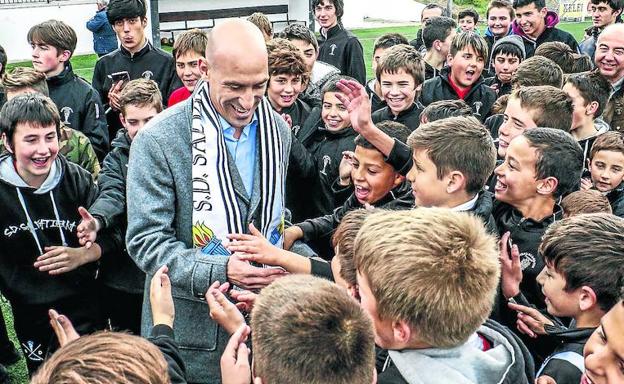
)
(64, 77)
(148, 47)
(333, 31)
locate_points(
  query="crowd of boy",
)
(459, 218)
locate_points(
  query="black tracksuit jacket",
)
(344, 51)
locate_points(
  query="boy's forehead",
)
(399, 73)
(33, 128)
(609, 157)
(379, 51)
(369, 156)
(187, 56)
(506, 55)
(468, 48)
(527, 8)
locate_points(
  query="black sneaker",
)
(9, 355)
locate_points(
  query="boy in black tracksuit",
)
(462, 79)
(606, 169)
(78, 103)
(135, 55)
(337, 46)
(42, 263)
(123, 282)
(375, 182)
(507, 54)
(400, 75)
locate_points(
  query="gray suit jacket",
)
(160, 198)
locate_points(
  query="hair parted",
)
(391, 128)
(585, 201)
(407, 255)
(125, 9)
(25, 77)
(301, 325)
(34, 109)
(344, 239)
(537, 70)
(593, 87)
(193, 40)
(105, 357)
(469, 39)
(608, 141)
(286, 59)
(558, 155)
(54, 33)
(501, 4)
(141, 93)
(442, 109)
(299, 32)
(549, 106)
(437, 28)
(565, 247)
(263, 23)
(458, 144)
(389, 40)
(470, 12)
(402, 57)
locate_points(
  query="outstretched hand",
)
(354, 97)
(511, 271)
(530, 321)
(222, 310)
(235, 367)
(87, 229)
(161, 299)
(63, 328)
(254, 247)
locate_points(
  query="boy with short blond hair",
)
(606, 168)
(302, 325)
(53, 43)
(463, 79)
(401, 258)
(400, 74)
(537, 70)
(123, 282)
(189, 49)
(382, 44)
(585, 201)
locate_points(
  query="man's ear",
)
(587, 298)
(591, 108)
(402, 332)
(7, 146)
(456, 182)
(547, 186)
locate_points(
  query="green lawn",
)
(83, 66)
(19, 374)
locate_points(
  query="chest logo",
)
(326, 163)
(333, 48)
(66, 112)
(147, 75)
(527, 260)
(477, 106)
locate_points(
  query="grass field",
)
(83, 66)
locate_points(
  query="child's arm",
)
(235, 367)
(110, 205)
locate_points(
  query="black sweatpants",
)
(122, 309)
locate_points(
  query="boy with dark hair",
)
(382, 44)
(437, 35)
(263, 23)
(337, 46)
(467, 20)
(43, 265)
(73, 144)
(135, 55)
(536, 25)
(606, 169)
(452, 160)
(499, 15)
(444, 108)
(401, 74)
(123, 282)
(589, 93)
(288, 75)
(577, 284)
(430, 11)
(189, 49)
(537, 70)
(463, 79)
(507, 54)
(320, 73)
(561, 54)
(585, 201)
(53, 43)
(401, 258)
(541, 166)
(603, 14)
(376, 183)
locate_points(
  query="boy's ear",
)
(543, 11)
(398, 179)
(589, 164)
(449, 60)
(547, 186)
(122, 119)
(402, 332)
(456, 182)
(64, 55)
(591, 108)
(587, 298)
(6, 144)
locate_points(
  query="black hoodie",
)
(409, 117)
(52, 211)
(376, 102)
(343, 50)
(616, 199)
(480, 97)
(80, 108)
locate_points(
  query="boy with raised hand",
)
(401, 258)
(576, 284)
(189, 49)
(507, 54)
(603, 13)
(123, 282)
(53, 43)
(499, 15)
(376, 183)
(606, 169)
(401, 75)
(437, 34)
(73, 144)
(337, 46)
(541, 166)
(43, 264)
(136, 56)
(536, 25)
(463, 78)
(382, 44)
(288, 76)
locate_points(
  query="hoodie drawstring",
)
(58, 220)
